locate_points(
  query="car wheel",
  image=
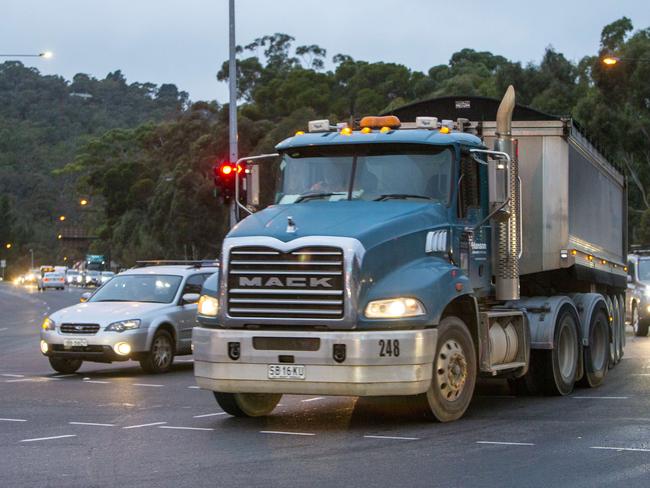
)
(160, 357)
(247, 404)
(64, 365)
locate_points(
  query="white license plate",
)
(75, 342)
(286, 372)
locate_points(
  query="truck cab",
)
(638, 292)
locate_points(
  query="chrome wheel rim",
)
(162, 352)
(451, 370)
(635, 319)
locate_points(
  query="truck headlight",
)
(48, 324)
(394, 308)
(123, 325)
(208, 306)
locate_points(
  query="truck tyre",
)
(454, 372)
(160, 357)
(641, 330)
(247, 404)
(65, 365)
(596, 355)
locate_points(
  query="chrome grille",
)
(304, 283)
(79, 328)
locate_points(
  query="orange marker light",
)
(444, 130)
(346, 131)
(590, 257)
(573, 252)
(366, 130)
(300, 133)
(384, 129)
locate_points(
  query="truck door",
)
(472, 209)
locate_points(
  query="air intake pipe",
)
(506, 236)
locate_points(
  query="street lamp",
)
(610, 60)
(8, 245)
(62, 218)
(83, 202)
(44, 55)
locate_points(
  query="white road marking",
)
(144, 425)
(13, 375)
(13, 420)
(18, 381)
(193, 387)
(312, 399)
(399, 438)
(600, 397)
(48, 438)
(209, 415)
(4, 328)
(284, 433)
(63, 375)
(147, 384)
(621, 448)
(97, 382)
(92, 423)
(506, 443)
(183, 428)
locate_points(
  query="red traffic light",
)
(226, 169)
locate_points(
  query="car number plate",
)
(75, 343)
(286, 372)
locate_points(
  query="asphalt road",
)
(113, 425)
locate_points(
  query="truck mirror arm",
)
(237, 166)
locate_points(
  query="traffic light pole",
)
(232, 82)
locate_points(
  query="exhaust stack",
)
(507, 233)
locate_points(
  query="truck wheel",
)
(64, 365)
(247, 404)
(454, 372)
(159, 359)
(596, 356)
(641, 329)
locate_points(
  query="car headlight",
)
(123, 325)
(48, 324)
(394, 308)
(208, 306)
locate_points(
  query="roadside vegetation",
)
(143, 154)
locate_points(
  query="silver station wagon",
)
(145, 314)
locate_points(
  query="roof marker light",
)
(385, 129)
(346, 131)
(366, 130)
(300, 133)
(444, 130)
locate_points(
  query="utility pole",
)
(232, 83)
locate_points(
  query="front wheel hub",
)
(451, 370)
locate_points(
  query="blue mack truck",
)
(402, 257)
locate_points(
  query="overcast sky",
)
(185, 41)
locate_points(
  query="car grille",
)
(79, 328)
(305, 283)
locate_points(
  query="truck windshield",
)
(365, 172)
(643, 270)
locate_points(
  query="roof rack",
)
(204, 263)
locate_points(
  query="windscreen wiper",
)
(400, 196)
(309, 196)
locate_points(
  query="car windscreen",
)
(138, 288)
(643, 270)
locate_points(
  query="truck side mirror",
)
(190, 298)
(498, 165)
(252, 183)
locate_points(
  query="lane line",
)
(13, 420)
(97, 382)
(193, 387)
(48, 438)
(312, 399)
(13, 375)
(209, 415)
(284, 433)
(63, 375)
(398, 438)
(600, 397)
(621, 448)
(144, 425)
(183, 428)
(92, 423)
(18, 381)
(506, 443)
(147, 384)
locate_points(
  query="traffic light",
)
(225, 177)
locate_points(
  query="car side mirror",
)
(84, 297)
(190, 298)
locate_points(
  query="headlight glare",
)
(208, 306)
(394, 308)
(48, 324)
(124, 325)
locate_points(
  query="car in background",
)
(105, 276)
(637, 296)
(92, 278)
(72, 276)
(51, 280)
(144, 314)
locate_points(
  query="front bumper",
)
(364, 372)
(100, 348)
